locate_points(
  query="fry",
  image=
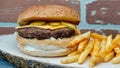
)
(73, 53)
(109, 41)
(85, 53)
(119, 43)
(109, 56)
(70, 59)
(101, 49)
(79, 38)
(103, 43)
(116, 59)
(94, 59)
(96, 48)
(108, 49)
(117, 39)
(117, 49)
(104, 47)
(98, 36)
(82, 46)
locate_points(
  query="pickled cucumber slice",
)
(37, 23)
(68, 25)
(54, 23)
(23, 23)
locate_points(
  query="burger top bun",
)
(48, 13)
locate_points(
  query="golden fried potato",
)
(96, 48)
(103, 43)
(98, 36)
(109, 56)
(74, 53)
(116, 59)
(100, 47)
(82, 45)
(94, 59)
(70, 59)
(119, 43)
(85, 53)
(117, 49)
(109, 41)
(110, 47)
(79, 38)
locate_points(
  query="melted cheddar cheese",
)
(44, 26)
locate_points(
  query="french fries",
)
(103, 43)
(101, 49)
(116, 40)
(98, 36)
(96, 48)
(109, 41)
(94, 59)
(119, 43)
(102, 53)
(70, 59)
(85, 53)
(110, 47)
(109, 56)
(79, 38)
(74, 53)
(117, 49)
(116, 59)
(82, 45)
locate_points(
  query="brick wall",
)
(100, 16)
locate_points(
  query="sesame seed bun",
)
(48, 13)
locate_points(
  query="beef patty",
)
(40, 33)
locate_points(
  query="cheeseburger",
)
(46, 30)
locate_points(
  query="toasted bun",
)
(45, 48)
(49, 13)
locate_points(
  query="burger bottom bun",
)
(45, 48)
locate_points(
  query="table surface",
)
(6, 28)
(5, 64)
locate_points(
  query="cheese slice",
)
(44, 26)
